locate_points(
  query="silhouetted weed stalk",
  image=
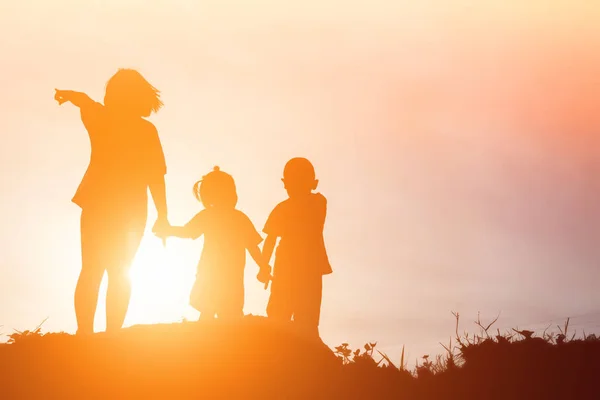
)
(23, 335)
(465, 346)
(488, 364)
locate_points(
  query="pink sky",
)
(457, 143)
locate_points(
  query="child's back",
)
(299, 222)
(301, 259)
(228, 232)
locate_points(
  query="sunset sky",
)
(458, 144)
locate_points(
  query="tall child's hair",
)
(216, 189)
(129, 92)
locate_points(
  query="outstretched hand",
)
(61, 96)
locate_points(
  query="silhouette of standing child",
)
(301, 259)
(126, 160)
(228, 233)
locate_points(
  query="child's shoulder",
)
(312, 200)
(96, 106)
(282, 205)
(93, 114)
(238, 213)
(318, 197)
(148, 125)
(242, 216)
(201, 214)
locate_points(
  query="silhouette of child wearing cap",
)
(228, 233)
(301, 258)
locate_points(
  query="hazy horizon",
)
(457, 145)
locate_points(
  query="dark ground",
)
(255, 358)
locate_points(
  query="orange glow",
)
(456, 142)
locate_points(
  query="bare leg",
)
(90, 277)
(126, 241)
(307, 304)
(86, 297)
(280, 306)
(117, 298)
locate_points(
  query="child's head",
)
(129, 93)
(299, 177)
(216, 189)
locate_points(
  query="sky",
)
(456, 141)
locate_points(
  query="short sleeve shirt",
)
(227, 235)
(126, 155)
(299, 222)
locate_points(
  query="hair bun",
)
(217, 188)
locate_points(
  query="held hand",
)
(61, 96)
(264, 276)
(160, 229)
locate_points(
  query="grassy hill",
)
(256, 358)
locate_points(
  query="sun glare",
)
(161, 279)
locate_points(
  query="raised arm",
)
(78, 99)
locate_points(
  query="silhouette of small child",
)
(301, 259)
(228, 233)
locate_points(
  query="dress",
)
(126, 155)
(219, 286)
